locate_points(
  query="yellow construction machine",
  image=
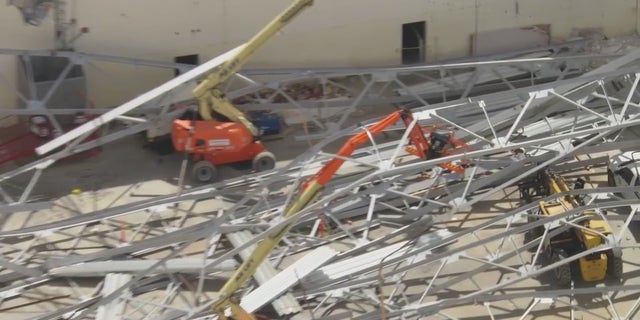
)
(211, 98)
(234, 139)
(591, 232)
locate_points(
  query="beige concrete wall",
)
(331, 33)
(354, 32)
(14, 33)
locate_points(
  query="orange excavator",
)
(440, 143)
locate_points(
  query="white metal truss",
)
(414, 241)
(341, 93)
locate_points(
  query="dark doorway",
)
(188, 59)
(413, 42)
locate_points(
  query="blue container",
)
(269, 123)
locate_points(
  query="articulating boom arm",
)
(310, 190)
(212, 98)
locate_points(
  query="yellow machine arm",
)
(211, 98)
(557, 184)
(259, 254)
(310, 190)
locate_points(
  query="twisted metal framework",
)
(412, 241)
(352, 90)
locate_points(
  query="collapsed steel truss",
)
(407, 237)
(328, 111)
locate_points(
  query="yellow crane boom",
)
(212, 98)
(310, 190)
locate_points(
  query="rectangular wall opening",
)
(413, 42)
(188, 59)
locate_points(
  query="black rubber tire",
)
(204, 171)
(562, 274)
(264, 161)
(614, 267)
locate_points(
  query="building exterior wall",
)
(14, 33)
(330, 33)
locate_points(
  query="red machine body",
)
(217, 142)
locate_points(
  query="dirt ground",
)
(127, 162)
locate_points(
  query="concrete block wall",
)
(330, 33)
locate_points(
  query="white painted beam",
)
(101, 268)
(137, 101)
(286, 279)
(286, 304)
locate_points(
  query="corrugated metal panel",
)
(356, 265)
(353, 265)
(284, 305)
(287, 278)
(99, 268)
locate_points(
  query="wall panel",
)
(331, 33)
